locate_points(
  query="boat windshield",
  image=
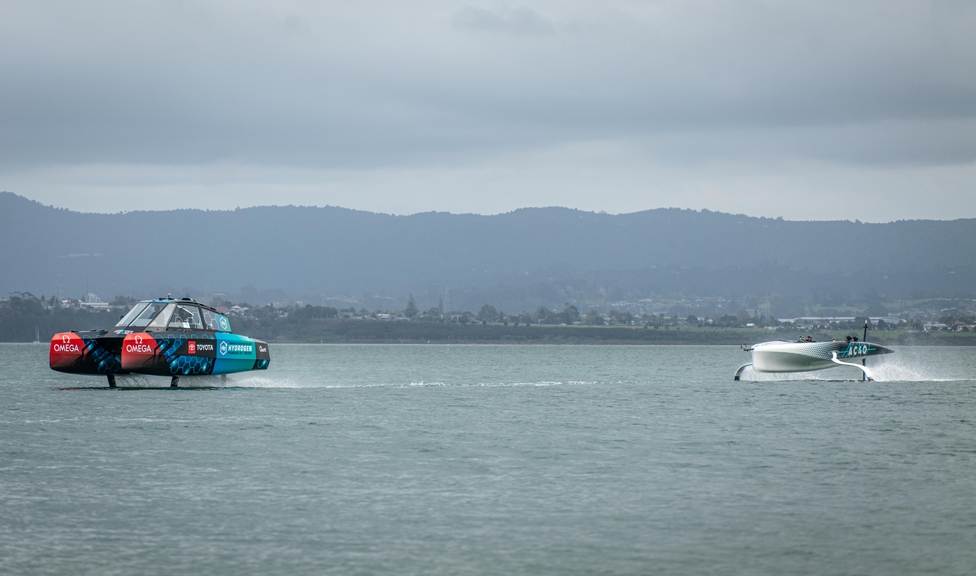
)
(147, 314)
(162, 319)
(132, 314)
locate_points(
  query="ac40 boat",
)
(805, 356)
(163, 337)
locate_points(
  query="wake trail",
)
(888, 370)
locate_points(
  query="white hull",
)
(778, 361)
(782, 357)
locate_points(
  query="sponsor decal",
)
(224, 323)
(855, 349)
(262, 348)
(138, 347)
(195, 347)
(123, 332)
(139, 351)
(236, 348)
(66, 345)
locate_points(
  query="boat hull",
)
(808, 356)
(171, 353)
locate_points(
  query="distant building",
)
(92, 301)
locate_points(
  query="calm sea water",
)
(479, 459)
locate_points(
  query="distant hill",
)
(336, 251)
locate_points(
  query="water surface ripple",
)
(478, 459)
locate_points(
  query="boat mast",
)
(864, 361)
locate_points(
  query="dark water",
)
(492, 460)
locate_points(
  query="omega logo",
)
(138, 347)
(66, 345)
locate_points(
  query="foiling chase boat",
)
(162, 337)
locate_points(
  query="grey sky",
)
(798, 109)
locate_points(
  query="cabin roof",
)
(183, 300)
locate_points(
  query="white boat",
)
(805, 356)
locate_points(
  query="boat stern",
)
(85, 353)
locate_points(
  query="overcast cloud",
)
(806, 110)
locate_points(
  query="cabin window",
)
(210, 319)
(185, 318)
(132, 314)
(146, 316)
(162, 319)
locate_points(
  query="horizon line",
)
(488, 215)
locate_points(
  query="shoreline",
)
(375, 333)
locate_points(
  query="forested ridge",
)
(526, 256)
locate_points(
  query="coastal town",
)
(24, 316)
